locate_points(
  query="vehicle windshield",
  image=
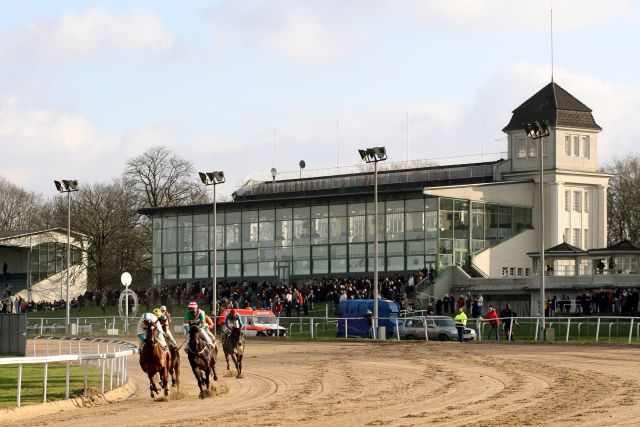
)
(265, 320)
(445, 322)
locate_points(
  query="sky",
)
(244, 86)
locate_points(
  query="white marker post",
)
(125, 278)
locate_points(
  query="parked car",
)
(440, 328)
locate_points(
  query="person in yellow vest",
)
(461, 322)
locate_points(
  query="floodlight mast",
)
(213, 179)
(67, 186)
(375, 155)
(539, 129)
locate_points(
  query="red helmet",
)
(193, 306)
(233, 312)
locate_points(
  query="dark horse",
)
(233, 345)
(174, 366)
(155, 360)
(202, 359)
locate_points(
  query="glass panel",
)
(232, 234)
(461, 205)
(431, 204)
(156, 222)
(338, 252)
(170, 262)
(321, 211)
(301, 252)
(233, 218)
(267, 233)
(169, 221)
(431, 224)
(157, 240)
(371, 227)
(356, 209)
(356, 265)
(319, 230)
(266, 254)
(250, 269)
(430, 246)
(446, 204)
(320, 266)
(320, 252)
(186, 265)
(477, 225)
(339, 265)
(395, 263)
(284, 254)
(249, 216)
(415, 247)
(284, 232)
(337, 210)
(185, 221)
(249, 255)
(234, 256)
(461, 224)
(201, 261)
(169, 239)
(357, 228)
(338, 229)
(201, 238)
(233, 270)
(415, 262)
(395, 248)
(267, 215)
(267, 268)
(301, 267)
(414, 205)
(357, 251)
(301, 212)
(185, 238)
(202, 220)
(284, 213)
(301, 231)
(414, 225)
(395, 221)
(446, 224)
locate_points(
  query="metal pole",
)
(68, 257)
(46, 372)
(214, 301)
(19, 385)
(375, 269)
(542, 265)
(126, 310)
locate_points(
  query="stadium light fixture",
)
(539, 129)
(68, 186)
(375, 155)
(213, 179)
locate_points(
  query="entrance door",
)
(283, 271)
(460, 258)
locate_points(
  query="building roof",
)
(563, 249)
(395, 181)
(624, 245)
(10, 234)
(556, 105)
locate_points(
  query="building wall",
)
(510, 254)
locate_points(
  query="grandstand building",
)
(36, 264)
(476, 224)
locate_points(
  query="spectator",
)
(494, 321)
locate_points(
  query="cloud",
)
(311, 33)
(500, 15)
(79, 35)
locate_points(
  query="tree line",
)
(119, 239)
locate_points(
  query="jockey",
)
(233, 320)
(195, 315)
(141, 329)
(165, 322)
(210, 325)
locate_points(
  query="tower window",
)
(576, 145)
(521, 147)
(567, 145)
(577, 199)
(584, 146)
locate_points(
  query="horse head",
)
(152, 332)
(194, 336)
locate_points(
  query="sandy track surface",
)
(398, 384)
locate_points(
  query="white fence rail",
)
(113, 359)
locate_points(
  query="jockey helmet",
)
(157, 312)
(193, 306)
(163, 308)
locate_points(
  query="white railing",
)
(116, 359)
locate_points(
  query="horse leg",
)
(234, 357)
(212, 365)
(198, 375)
(226, 356)
(152, 384)
(176, 370)
(239, 356)
(164, 375)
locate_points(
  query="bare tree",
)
(104, 214)
(623, 199)
(19, 209)
(159, 178)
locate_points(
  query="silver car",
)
(440, 328)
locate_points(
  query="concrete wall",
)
(510, 253)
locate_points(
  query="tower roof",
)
(556, 105)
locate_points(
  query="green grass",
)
(33, 382)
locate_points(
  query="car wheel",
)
(261, 334)
(443, 337)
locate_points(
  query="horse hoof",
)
(166, 392)
(238, 376)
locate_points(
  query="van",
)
(352, 312)
(259, 323)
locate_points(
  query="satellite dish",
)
(302, 164)
(125, 278)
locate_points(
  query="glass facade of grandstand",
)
(285, 240)
(47, 259)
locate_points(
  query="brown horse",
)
(174, 366)
(233, 345)
(155, 360)
(202, 359)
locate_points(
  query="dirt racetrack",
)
(397, 384)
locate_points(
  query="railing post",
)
(610, 325)
(102, 376)
(346, 327)
(311, 327)
(426, 328)
(66, 381)
(42, 326)
(46, 372)
(19, 384)
(568, 328)
(598, 330)
(111, 374)
(86, 367)
(397, 330)
(631, 330)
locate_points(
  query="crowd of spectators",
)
(601, 301)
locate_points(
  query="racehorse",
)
(155, 360)
(174, 366)
(233, 345)
(202, 359)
